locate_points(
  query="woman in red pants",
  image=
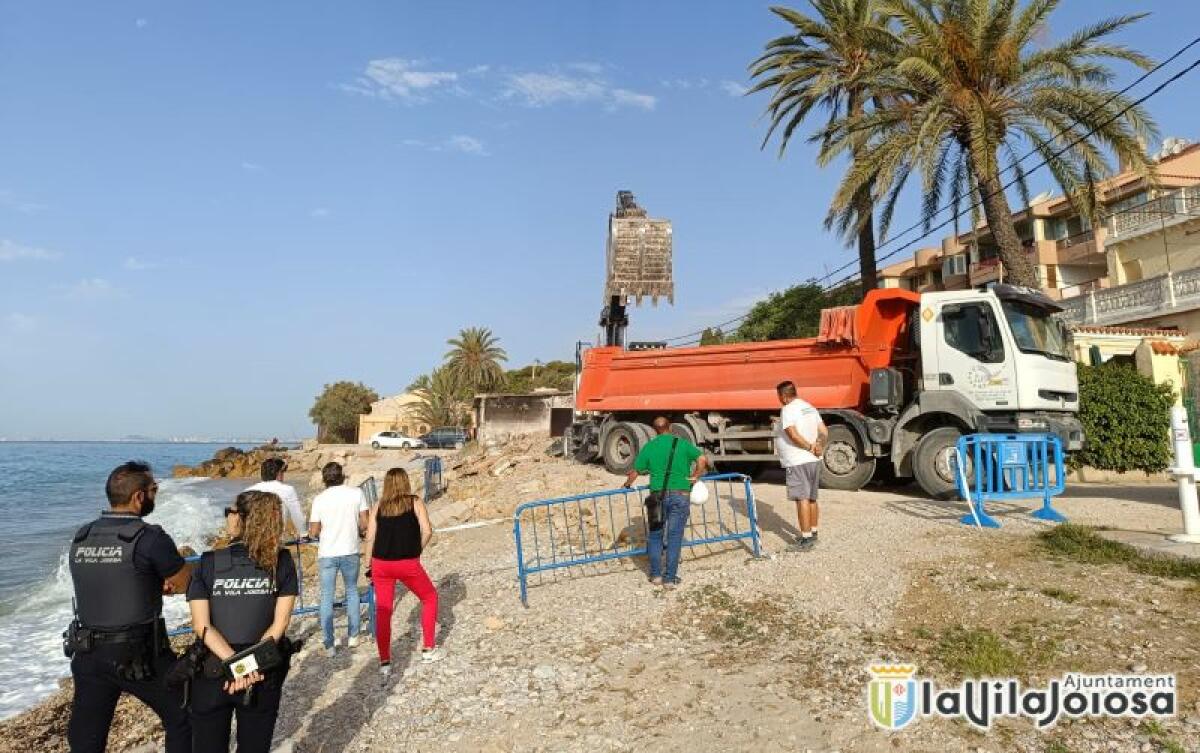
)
(397, 530)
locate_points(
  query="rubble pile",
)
(490, 482)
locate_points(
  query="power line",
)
(1045, 160)
(895, 238)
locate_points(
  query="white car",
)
(394, 439)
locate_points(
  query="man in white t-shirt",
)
(799, 442)
(338, 518)
(272, 481)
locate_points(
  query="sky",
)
(210, 210)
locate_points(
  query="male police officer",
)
(121, 567)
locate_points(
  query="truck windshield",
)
(1035, 331)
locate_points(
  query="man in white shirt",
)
(799, 442)
(338, 518)
(272, 471)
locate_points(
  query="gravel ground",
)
(763, 655)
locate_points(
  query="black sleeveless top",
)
(397, 537)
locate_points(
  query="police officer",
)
(121, 567)
(241, 596)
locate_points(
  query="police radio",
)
(258, 658)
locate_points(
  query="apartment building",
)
(1150, 231)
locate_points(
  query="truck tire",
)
(845, 465)
(621, 446)
(932, 462)
(683, 431)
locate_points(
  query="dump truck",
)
(898, 379)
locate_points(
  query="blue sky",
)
(208, 210)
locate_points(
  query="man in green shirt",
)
(680, 454)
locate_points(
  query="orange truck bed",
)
(831, 371)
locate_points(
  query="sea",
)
(47, 491)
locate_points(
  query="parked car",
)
(445, 436)
(394, 439)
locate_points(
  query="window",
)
(1036, 331)
(954, 266)
(971, 329)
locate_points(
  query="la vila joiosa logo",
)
(897, 698)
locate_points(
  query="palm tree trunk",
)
(865, 209)
(1018, 270)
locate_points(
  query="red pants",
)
(384, 574)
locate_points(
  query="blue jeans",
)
(330, 566)
(676, 509)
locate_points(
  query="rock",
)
(492, 622)
(1137, 668)
(544, 672)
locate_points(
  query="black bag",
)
(654, 500)
(258, 658)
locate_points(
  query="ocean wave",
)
(31, 657)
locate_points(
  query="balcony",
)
(985, 271)
(1157, 296)
(1080, 249)
(1174, 208)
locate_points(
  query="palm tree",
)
(969, 89)
(474, 360)
(442, 401)
(828, 63)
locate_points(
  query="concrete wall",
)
(1146, 256)
(1163, 368)
(500, 417)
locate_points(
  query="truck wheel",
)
(846, 467)
(933, 463)
(683, 431)
(621, 446)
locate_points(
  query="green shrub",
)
(1126, 420)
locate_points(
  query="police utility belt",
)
(80, 639)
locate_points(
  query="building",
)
(1148, 233)
(1155, 353)
(392, 414)
(543, 412)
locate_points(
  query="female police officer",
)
(240, 596)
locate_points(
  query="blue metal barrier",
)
(551, 534)
(434, 482)
(1009, 466)
(366, 596)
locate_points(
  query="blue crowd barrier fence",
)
(991, 467)
(435, 482)
(552, 534)
(366, 596)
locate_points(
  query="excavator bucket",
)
(639, 255)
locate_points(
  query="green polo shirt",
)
(653, 460)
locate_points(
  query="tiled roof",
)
(1163, 348)
(1136, 331)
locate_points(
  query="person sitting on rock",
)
(398, 530)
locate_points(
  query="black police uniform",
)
(118, 565)
(241, 604)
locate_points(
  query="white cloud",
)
(733, 88)
(9, 200)
(466, 145)
(397, 78)
(134, 264)
(251, 166)
(478, 70)
(633, 99)
(19, 323)
(457, 143)
(319, 213)
(90, 289)
(542, 89)
(13, 251)
(684, 83)
(141, 23)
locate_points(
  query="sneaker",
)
(671, 584)
(803, 544)
(656, 581)
(331, 651)
(385, 672)
(352, 641)
(430, 655)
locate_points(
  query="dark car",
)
(445, 436)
